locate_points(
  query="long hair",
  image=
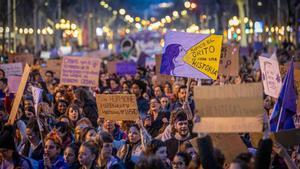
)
(171, 52)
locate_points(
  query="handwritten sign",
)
(117, 106)
(19, 95)
(78, 71)
(229, 61)
(24, 58)
(12, 69)
(270, 76)
(205, 56)
(230, 108)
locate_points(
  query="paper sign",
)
(13, 83)
(176, 46)
(19, 95)
(229, 61)
(12, 69)
(230, 108)
(24, 58)
(270, 76)
(205, 56)
(79, 71)
(117, 106)
(288, 138)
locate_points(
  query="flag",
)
(285, 107)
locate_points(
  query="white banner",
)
(270, 75)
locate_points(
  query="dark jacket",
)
(263, 155)
(206, 152)
(37, 154)
(173, 146)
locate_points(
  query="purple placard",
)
(125, 67)
(176, 46)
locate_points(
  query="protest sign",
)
(205, 56)
(270, 76)
(176, 47)
(23, 58)
(79, 71)
(13, 83)
(122, 67)
(288, 138)
(229, 61)
(15, 106)
(117, 106)
(12, 69)
(231, 150)
(53, 65)
(230, 108)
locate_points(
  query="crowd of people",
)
(69, 134)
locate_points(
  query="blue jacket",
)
(58, 164)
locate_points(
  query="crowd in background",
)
(69, 134)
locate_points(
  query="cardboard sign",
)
(270, 76)
(122, 67)
(229, 150)
(205, 56)
(19, 95)
(23, 58)
(229, 61)
(78, 71)
(176, 47)
(13, 83)
(12, 69)
(287, 138)
(53, 65)
(230, 108)
(117, 106)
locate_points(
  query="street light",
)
(122, 11)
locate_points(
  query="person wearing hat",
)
(10, 158)
(180, 132)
